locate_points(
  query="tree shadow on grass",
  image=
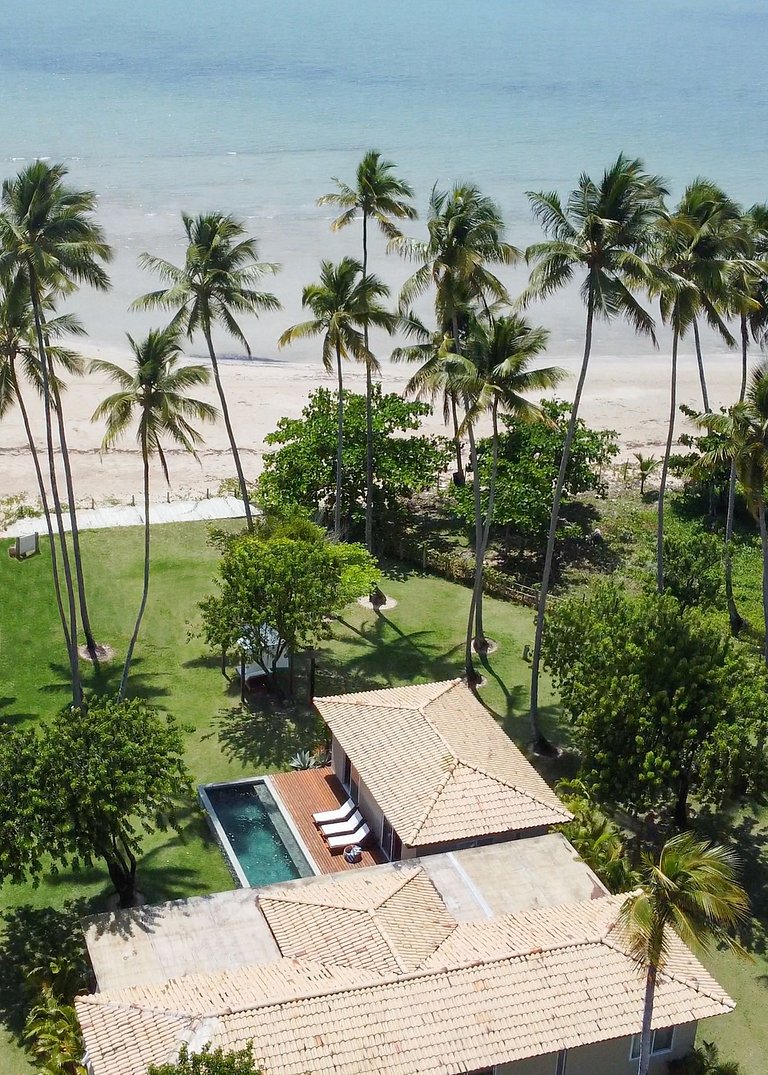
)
(268, 732)
(748, 836)
(8, 716)
(32, 938)
(385, 655)
(106, 679)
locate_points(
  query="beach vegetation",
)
(378, 197)
(662, 705)
(50, 241)
(219, 281)
(344, 303)
(603, 235)
(154, 395)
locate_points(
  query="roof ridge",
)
(447, 684)
(387, 939)
(439, 789)
(517, 788)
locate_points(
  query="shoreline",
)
(629, 394)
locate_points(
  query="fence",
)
(458, 567)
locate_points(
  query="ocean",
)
(251, 106)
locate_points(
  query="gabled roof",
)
(389, 921)
(438, 765)
(494, 991)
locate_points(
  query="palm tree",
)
(746, 433)
(47, 232)
(695, 243)
(155, 391)
(379, 196)
(466, 232)
(216, 284)
(19, 355)
(747, 297)
(494, 377)
(343, 303)
(693, 891)
(604, 230)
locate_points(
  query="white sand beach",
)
(625, 394)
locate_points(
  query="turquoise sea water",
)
(251, 106)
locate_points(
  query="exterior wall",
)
(369, 808)
(337, 759)
(456, 845)
(603, 1058)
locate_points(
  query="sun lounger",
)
(338, 828)
(338, 843)
(327, 817)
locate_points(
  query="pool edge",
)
(290, 823)
(220, 834)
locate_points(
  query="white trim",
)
(289, 822)
(654, 1052)
(483, 905)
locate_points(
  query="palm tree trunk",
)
(665, 465)
(74, 662)
(76, 554)
(368, 414)
(734, 616)
(764, 544)
(46, 512)
(456, 441)
(469, 667)
(700, 364)
(481, 642)
(539, 741)
(645, 1036)
(228, 426)
(145, 590)
(339, 448)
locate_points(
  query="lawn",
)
(419, 640)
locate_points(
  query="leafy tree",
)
(48, 235)
(604, 231)
(692, 890)
(344, 301)
(378, 195)
(155, 391)
(209, 1062)
(661, 704)
(646, 466)
(466, 235)
(88, 786)
(692, 566)
(301, 470)
(529, 459)
(704, 1060)
(597, 839)
(217, 283)
(282, 585)
(53, 1037)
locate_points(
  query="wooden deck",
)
(305, 792)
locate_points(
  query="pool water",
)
(259, 838)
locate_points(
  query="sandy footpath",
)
(630, 395)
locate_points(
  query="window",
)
(391, 844)
(354, 785)
(661, 1042)
(346, 770)
(562, 1060)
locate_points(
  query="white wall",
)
(603, 1058)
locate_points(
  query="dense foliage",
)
(661, 703)
(283, 580)
(693, 566)
(209, 1062)
(89, 785)
(529, 459)
(301, 470)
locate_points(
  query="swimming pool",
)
(253, 833)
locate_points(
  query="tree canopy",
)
(301, 469)
(661, 703)
(89, 785)
(209, 1062)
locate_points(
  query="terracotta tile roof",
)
(494, 991)
(438, 764)
(388, 921)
